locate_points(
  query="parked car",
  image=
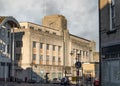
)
(65, 80)
(31, 81)
(19, 80)
(55, 81)
(96, 82)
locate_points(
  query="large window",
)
(8, 34)
(47, 58)
(53, 47)
(53, 59)
(3, 48)
(59, 48)
(47, 31)
(59, 75)
(34, 44)
(53, 75)
(59, 60)
(18, 57)
(34, 57)
(41, 57)
(31, 27)
(47, 46)
(41, 45)
(19, 44)
(112, 15)
(8, 49)
(111, 52)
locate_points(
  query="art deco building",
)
(110, 42)
(46, 49)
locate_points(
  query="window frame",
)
(41, 45)
(112, 15)
(53, 47)
(47, 46)
(53, 59)
(47, 58)
(34, 57)
(34, 44)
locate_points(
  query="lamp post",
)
(77, 65)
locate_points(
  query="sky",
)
(81, 15)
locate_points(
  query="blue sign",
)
(78, 64)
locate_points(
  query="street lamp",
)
(77, 64)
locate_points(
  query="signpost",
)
(78, 64)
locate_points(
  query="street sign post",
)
(78, 64)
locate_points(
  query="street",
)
(28, 84)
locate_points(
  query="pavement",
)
(30, 84)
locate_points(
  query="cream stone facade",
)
(46, 48)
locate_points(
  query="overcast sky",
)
(82, 15)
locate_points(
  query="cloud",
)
(82, 15)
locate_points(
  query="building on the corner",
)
(109, 42)
(45, 49)
(6, 24)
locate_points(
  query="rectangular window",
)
(3, 48)
(47, 31)
(83, 53)
(53, 59)
(54, 33)
(0, 46)
(18, 57)
(34, 57)
(41, 57)
(8, 49)
(34, 44)
(31, 27)
(19, 43)
(22, 26)
(53, 47)
(59, 48)
(112, 15)
(47, 46)
(86, 53)
(47, 58)
(59, 59)
(8, 34)
(39, 29)
(41, 45)
(3, 32)
(110, 51)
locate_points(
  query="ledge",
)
(112, 31)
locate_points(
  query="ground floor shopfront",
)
(38, 72)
